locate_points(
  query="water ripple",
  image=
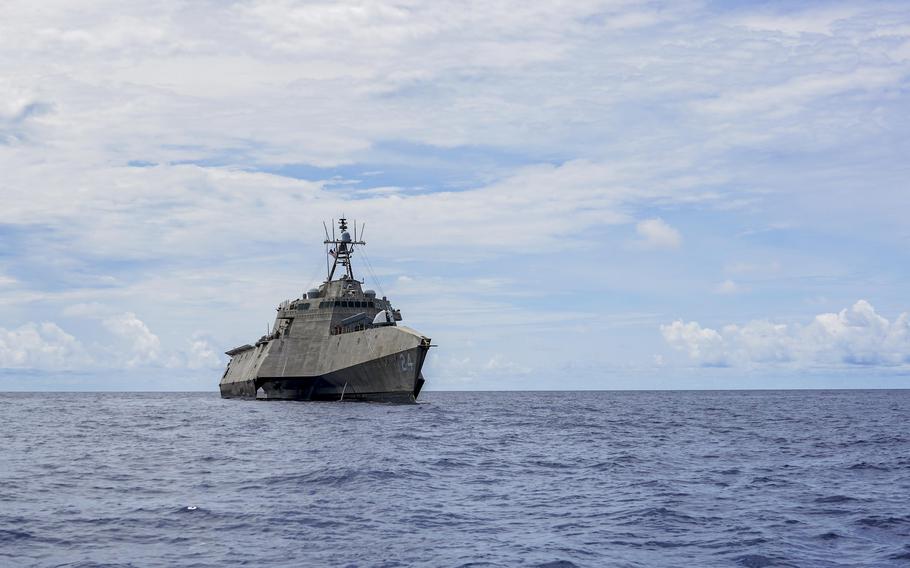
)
(546, 480)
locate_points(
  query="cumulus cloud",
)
(200, 354)
(702, 344)
(40, 346)
(854, 336)
(128, 344)
(131, 343)
(142, 346)
(657, 234)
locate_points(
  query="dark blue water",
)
(464, 479)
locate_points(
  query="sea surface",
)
(543, 479)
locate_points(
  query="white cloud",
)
(727, 287)
(853, 336)
(657, 234)
(200, 354)
(128, 344)
(814, 21)
(704, 345)
(786, 98)
(189, 211)
(426, 74)
(40, 346)
(142, 346)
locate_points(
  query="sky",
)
(563, 195)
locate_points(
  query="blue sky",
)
(585, 195)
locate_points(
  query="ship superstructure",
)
(336, 342)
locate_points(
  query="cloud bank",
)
(41, 346)
(127, 344)
(855, 336)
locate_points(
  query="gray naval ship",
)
(337, 342)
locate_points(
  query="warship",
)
(336, 342)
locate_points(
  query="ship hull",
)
(393, 378)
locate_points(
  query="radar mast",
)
(342, 248)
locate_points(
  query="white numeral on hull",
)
(405, 361)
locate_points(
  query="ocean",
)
(483, 479)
